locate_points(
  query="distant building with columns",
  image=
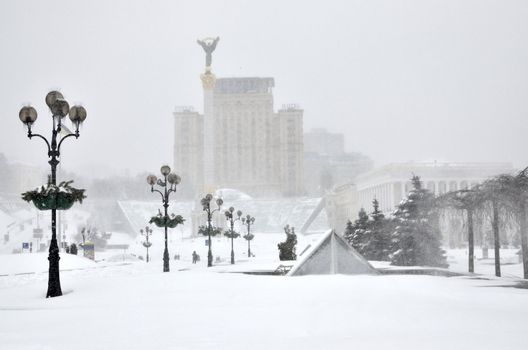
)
(389, 184)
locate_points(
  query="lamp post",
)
(206, 206)
(59, 108)
(168, 184)
(147, 233)
(232, 234)
(248, 221)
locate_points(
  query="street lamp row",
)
(60, 108)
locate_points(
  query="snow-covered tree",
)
(377, 236)
(356, 233)
(467, 200)
(416, 238)
(507, 196)
(349, 231)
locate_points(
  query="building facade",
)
(389, 184)
(188, 147)
(254, 149)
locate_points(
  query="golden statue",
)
(209, 45)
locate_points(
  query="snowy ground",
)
(122, 303)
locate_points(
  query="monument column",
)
(208, 170)
(208, 83)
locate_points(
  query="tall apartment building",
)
(254, 148)
(188, 147)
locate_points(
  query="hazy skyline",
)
(403, 80)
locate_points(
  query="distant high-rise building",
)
(323, 142)
(251, 147)
(326, 164)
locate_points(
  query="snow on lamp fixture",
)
(57, 104)
(52, 96)
(77, 114)
(174, 178)
(27, 115)
(151, 180)
(165, 170)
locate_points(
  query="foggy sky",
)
(404, 80)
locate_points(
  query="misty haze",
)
(263, 175)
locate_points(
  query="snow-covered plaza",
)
(123, 303)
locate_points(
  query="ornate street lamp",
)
(147, 233)
(232, 234)
(168, 184)
(206, 206)
(56, 199)
(248, 221)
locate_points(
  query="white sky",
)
(404, 80)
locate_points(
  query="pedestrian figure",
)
(194, 257)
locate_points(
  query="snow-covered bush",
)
(288, 247)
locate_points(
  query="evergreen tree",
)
(349, 231)
(358, 230)
(415, 240)
(287, 248)
(377, 237)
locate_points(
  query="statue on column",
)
(209, 45)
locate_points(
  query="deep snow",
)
(120, 302)
(133, 305)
